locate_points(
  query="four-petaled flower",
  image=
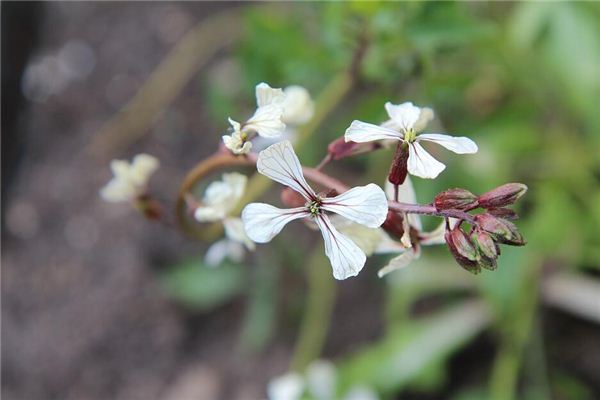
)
(366, 205)
(130, 179)
(406, 121)
(220, 198)
(266, 121)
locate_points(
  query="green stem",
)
(319, 306)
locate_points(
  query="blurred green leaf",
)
(203, 288)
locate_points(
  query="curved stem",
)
(429, 210)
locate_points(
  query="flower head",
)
(236, 142)
(220, 198)
(365, 205)
(406, 121)
(130, 179)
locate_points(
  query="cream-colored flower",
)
(236, 142)
(130, 179)
(220, 199)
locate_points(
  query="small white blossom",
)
(366, 205)
(286, 387)
(406, 121)
(130, 179)
(236, 142)
(220, 198)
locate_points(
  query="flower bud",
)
(291, 198)
(399, 169)
(394, 225)
(463, 250)
(148, 207)
(502, 212)
(502, 230)
(455, 199)
(487, 248)
(339, 148)
(502, 195)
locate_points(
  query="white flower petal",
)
(404, 115)
(266, 121)
(209, 214)
(297, 105)
(286, 387)
(396, 263)
(142, 167)
(406, 194)
(117, 190)
(457, 144)
(234, 230)
(421, 163)
(263, 221)
(425, 117)
(361, 132)
(222, 249)
(280, 163)
(347, 259)
(366, 205)
(266, 95)
(235, 125)
(237, 183)
(368, 239)
(236, 144)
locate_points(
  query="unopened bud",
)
(502, 230)
(463, 250)
(502, 195)
(291, 198)
(502, 212)
(339, 148)
(399, 169)
(149, 207)
(394, 225)
(455, 199)
(487, 248)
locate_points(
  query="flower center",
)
(410, 135)
(314, 207)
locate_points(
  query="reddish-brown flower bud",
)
(502, 195)
(463, 250)
(502, 212)
(339, 148)
(487, 248)
(149, 207)
(503, 231)
(393, 225)
(455, 199)
(399, 169)
(291, 198)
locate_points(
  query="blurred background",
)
(99, 303)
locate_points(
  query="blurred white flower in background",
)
(366, 205)
(220, 199)
(319, 382)
(406, 121)
(130, 179)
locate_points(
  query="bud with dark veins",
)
(502, 195)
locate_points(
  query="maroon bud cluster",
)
(455, 199)
(480, 248)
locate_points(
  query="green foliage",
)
(202, 288)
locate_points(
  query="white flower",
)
(130, 179)
(320, 382)
(406, 120)
(236, 142)
(220, 198)
(366, 205)
(286, 387)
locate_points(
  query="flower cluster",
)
(355, 222)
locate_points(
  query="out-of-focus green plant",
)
(522, 80)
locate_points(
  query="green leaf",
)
(200, 287)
